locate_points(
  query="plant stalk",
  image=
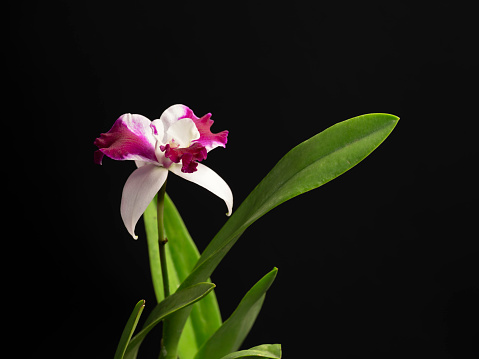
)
(166, 353)
(162, 240)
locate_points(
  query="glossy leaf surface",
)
(182, 255)
(309, 165)
(129, 329)
(231, 334)
(271, 351)
(182, 298)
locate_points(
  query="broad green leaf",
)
(182, 255)
(309, 165)
(129, 329)
(182, 298)
(272, 351)
(205, 316)
(232, 333)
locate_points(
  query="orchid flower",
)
(175, 142)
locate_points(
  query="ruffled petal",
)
(188, 156)
(207, 178)
(130, 138)
(208, 139)
(139, 190)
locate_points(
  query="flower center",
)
(172, 143)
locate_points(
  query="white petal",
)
(139, 190)
(171, 115)
(183, 132)
(141, 163)
(207, 178)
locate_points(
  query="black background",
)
(381, 262)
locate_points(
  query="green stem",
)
(166, 353)
(162, 240)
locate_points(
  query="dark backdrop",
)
(381, 262)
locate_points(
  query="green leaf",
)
(149, 218)
(307, 166)
(182, 298)
(205, 315)
(181, 255)
(272, 351)
(129, 329)
(232, 333)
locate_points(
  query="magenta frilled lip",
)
(176, 142)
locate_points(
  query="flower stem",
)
(165, 353)
(162, 240)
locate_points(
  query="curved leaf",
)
(182, 298)
(307, 166)
(182, 255)
(232, 333)
(129, 329)
(271, 351)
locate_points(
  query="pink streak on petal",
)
(130, 138)
(173, 114)
(207, 138)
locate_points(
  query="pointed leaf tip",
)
(178, 300)
(309, 165)
(234, 330)
(129, 329)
